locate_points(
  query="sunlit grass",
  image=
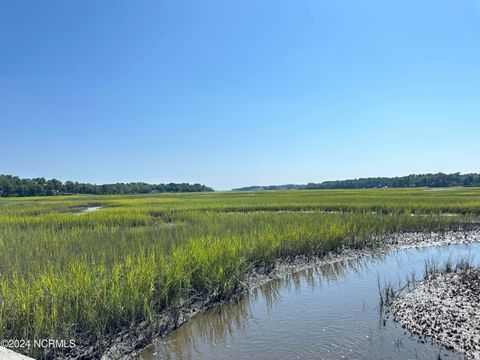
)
(64, 275)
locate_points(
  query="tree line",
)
(14, 186)
(421, 180)
(410, 181)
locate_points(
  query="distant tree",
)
(14, 186)
(424, 180)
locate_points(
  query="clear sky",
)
(233, 93)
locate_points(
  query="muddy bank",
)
(444, 308)
(130, 341)
(378, 245)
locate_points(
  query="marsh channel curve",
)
(327, 312)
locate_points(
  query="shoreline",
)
(131, 341)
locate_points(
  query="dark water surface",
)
(329, 312)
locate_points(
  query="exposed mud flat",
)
(444, 308)
(129, 342)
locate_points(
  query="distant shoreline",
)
(13, 186)
(437, 180)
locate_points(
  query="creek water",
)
(328, 312)
(87, 210)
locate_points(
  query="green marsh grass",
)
(88, 276)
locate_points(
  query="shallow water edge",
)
(130, 342)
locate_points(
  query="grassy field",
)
(65, 275)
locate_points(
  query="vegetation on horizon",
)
(410, 181)
(13, 186)
(65, 275)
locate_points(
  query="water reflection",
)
(213, 326)
(326, 312)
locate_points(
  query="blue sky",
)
(233, 93)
